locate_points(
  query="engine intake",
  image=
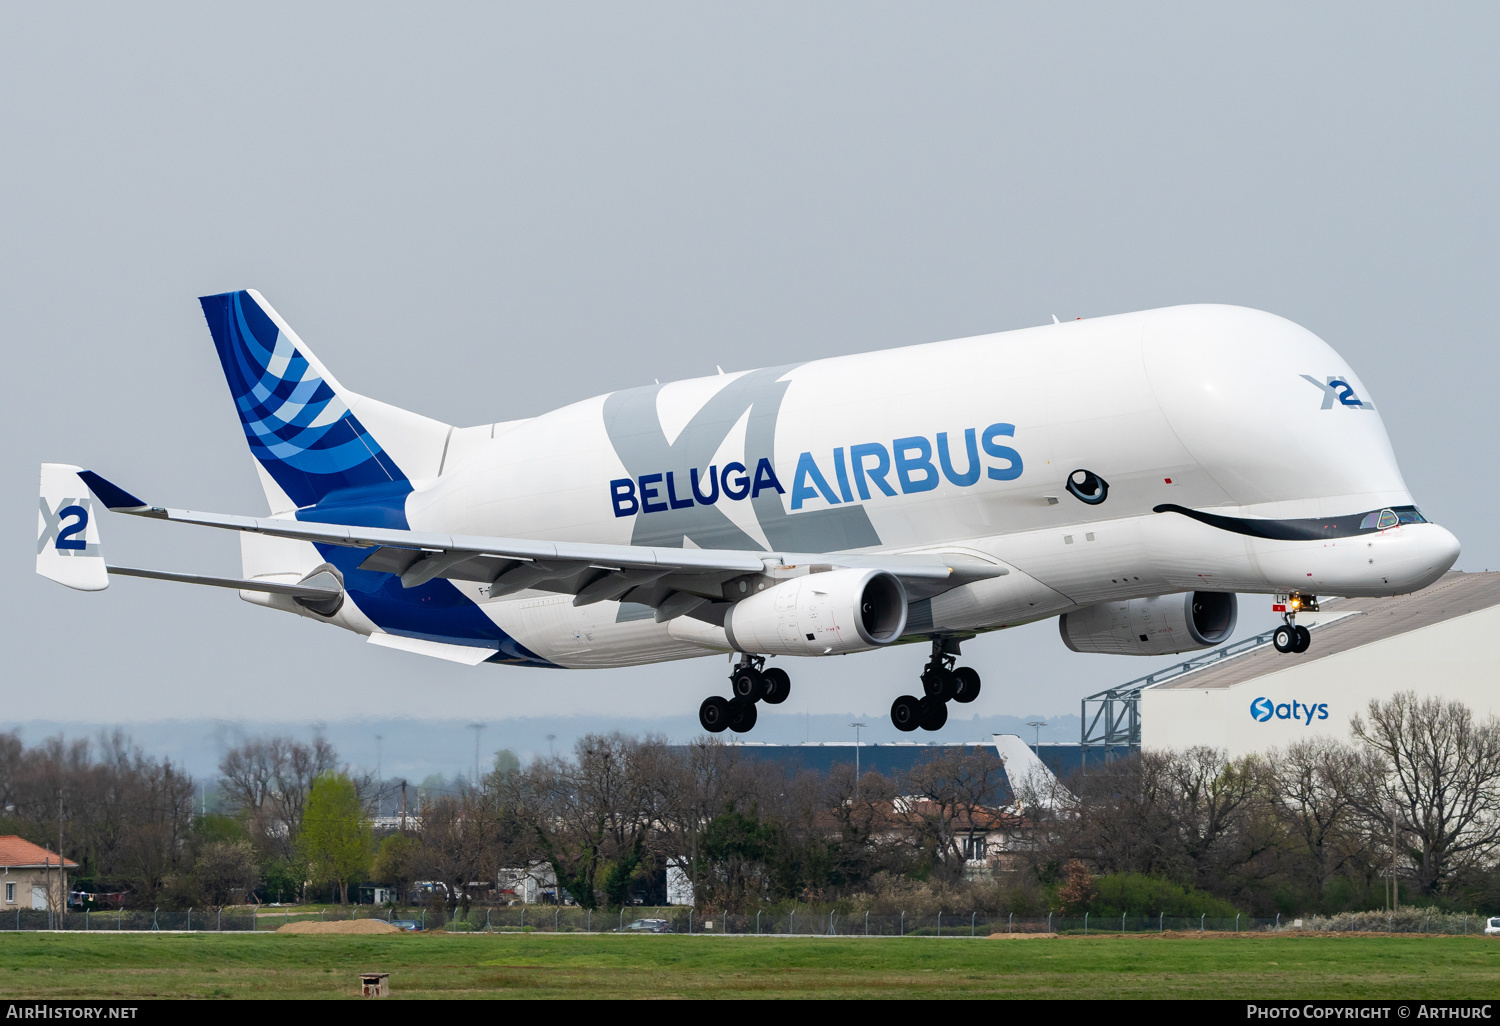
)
(1162, 625)
(828, 613)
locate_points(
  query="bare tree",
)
(1210, 798)
(948, 798)
(227, 872)
(1122, 820)
(1312, 788)
(269, 780)
(1439, 771)
(863, 842)
(590, 817)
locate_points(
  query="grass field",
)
(35, 965)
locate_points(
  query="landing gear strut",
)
(1290, 636)
(942, 682)
(749, 683)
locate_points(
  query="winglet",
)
(113, 496)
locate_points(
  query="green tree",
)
(506, 763)
(281, 879)
(1140, 894)
(734, 848)
(227, 872)
(396, 861)
(335, 839)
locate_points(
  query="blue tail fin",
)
(298, 420)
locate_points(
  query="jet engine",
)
(827, 613)
(1152, 626)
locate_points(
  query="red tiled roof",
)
(18, 853)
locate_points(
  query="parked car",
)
(406, 924)
(1492, 925)
(647, 926)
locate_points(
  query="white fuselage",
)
(1212, 408)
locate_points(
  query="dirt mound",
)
(356, 926)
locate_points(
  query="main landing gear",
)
(942, 682)
(748, 684)
(1290, 637)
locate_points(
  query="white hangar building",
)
(1248, 697)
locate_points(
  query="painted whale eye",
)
(1087, 486)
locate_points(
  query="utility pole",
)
(379, 780)
(62, 881)
(1395, 888)
(403, 806)
(477, 728)
(856, 725)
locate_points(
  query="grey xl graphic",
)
(634, 429)
(1336, 389)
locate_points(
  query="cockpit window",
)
(1383, 519)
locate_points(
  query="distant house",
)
(30, 875)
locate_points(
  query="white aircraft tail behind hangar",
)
(1129, 475)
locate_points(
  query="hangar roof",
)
(1360, 621)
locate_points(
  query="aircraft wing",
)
(673, 581)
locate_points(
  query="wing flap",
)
(469, 655)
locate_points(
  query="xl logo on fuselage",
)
(635, 431)
(678, 490)
(1262, 709)
(1336, 389)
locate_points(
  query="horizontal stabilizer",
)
(469, 655)
(113, 496)
(307, 590)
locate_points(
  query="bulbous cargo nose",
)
(1430, 551)
(1443, 547)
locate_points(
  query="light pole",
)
(1037, 726)
(550, 738)
(856, 725)
(379, 780)
(477, 728)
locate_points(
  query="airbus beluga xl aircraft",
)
(1128, 475)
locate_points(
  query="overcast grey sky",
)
(481, 212)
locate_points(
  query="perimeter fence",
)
(680, 920)
(120, 920)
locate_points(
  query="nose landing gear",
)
(748, 684)
(1290, 636)
(942, 682)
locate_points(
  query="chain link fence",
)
(676, 919)
(139, 919)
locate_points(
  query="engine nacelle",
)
(1152, 626)
(828, 613)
